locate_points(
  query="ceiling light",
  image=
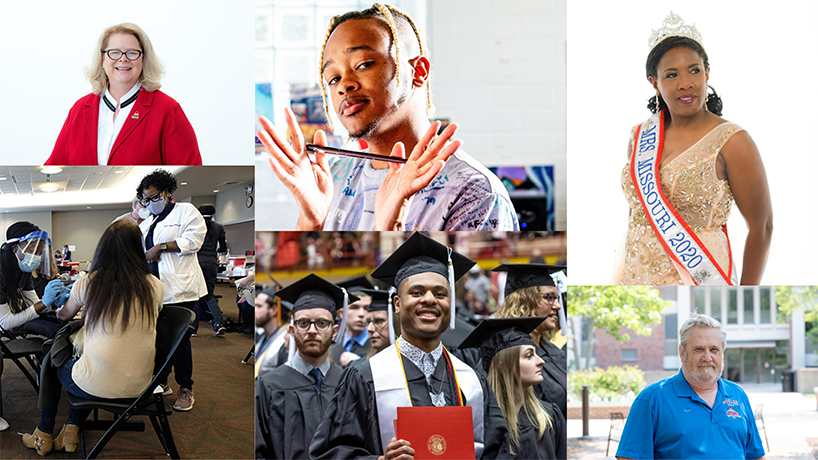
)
(119, 171)
(216, 191)
(51, 170)
(4, 178)
(183, 183)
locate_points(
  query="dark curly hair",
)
(656, 103)
(161, 179)
(10, 272)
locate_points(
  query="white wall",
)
(82, 229)
(205, 45)
(41, 219)
(231, 208)
(499, 69)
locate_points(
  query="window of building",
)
(629, 354)
(715, 303)
(749, 306)
(764, 306)
(671, 327)
(732, 306)
(698, 299)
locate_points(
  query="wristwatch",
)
(163, 246)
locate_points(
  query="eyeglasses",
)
(550, 298)
(115, 54)
(379, 322)
(151, 199)
(304, 324)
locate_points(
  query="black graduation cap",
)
(380, 299)
(312, 291)
(495, 334)
(527, 275)
(421, 254)
(357, 284)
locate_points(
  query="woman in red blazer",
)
(126, 120)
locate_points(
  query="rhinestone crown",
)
(674, 26)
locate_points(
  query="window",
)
(671, 327)
(749, 306)
(732, 306)
(764, 307)
(715, 303)
(629, 354)
(698, 299)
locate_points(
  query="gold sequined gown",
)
(703, 200)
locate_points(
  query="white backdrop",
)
(763, 59)
(206, 47)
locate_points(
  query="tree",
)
(791, 298)
(613, 309)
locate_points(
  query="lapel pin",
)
(135, 116)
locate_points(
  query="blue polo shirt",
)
(668, 420)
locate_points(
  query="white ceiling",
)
(106, 187)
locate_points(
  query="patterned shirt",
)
(426, 362)
(464, 196)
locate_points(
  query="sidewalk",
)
(791, 421)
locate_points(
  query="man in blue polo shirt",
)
(694, 414)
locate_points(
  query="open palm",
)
(309, 181)
(404, 180)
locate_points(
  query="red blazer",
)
(156, 132)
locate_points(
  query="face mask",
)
(29, 263)
(144, 213)
(156, 207)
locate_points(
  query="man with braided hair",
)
(376, 71)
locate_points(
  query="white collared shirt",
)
(107, 128)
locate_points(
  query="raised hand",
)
(309, 181)
(404, 180)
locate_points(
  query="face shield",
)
(34, 252)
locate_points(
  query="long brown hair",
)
(505, 381)
(119, 277)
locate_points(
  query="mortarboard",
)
(382, 301)
(421, 254)
(313, 291)
(521, 276)
(495, 334)
(357, 284)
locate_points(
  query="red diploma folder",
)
(437, 432)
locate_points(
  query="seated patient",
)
(122, 301)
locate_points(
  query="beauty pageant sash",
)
(676, 236)
(391, 392)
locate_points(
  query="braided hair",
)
(380, 11)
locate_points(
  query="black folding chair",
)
(173, 329)
(17, 348)
(615, 432)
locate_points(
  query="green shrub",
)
(606, 385)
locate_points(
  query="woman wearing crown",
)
(686, 166)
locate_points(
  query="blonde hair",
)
(522, 303)
(152, 69)
(505, 381)
(388, 12)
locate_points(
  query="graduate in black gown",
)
(354, 343)
(358, 422)
(518, 424)
(530, 291)
(291, 399)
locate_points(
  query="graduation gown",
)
(554, 387)
(552, 445)
(337, 349)
(288, 410)
(350, 427)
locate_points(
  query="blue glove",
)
(62, 298)
(52, 292)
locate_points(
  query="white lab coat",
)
(179, 272)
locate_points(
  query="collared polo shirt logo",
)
(732, 413)
(731, 402)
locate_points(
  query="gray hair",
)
(698, 320)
